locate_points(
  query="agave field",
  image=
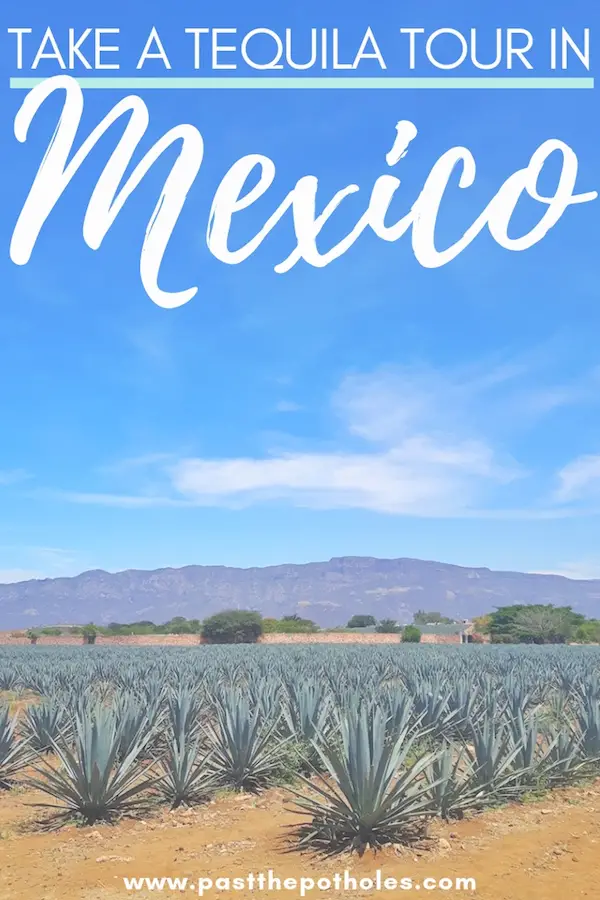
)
(370, 742)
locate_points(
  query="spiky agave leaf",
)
(246, 753)
(368, 797)
(588, 723)
(134, 717)
(185, 776)
(10, 679)
(45, 723)
(15, 754)
(432, 709)
(533, 747)
(183, 707)
(463, 702)
(518, 699)
(494, 758)
(399, 709)
(306, 711)
(92, 782)
(566, 761)
(454, 787)
(558, 708)
(265, 696)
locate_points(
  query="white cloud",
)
(419, 477)
(393, 403)
(418, 452)
(408, 440)
(130, 464)
(493, 398)
(124, 501)
(12, 476)
(285, 406)
(579, 479)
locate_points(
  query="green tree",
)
(411, 635)
(588, 632)
(142, 628)
(295, 625)
(534, 624)
(33, 635)
(289, 625)
(482, 624)
(421, 617)
(234, 626)
(90, 633)
(361, 622)
(388, 626)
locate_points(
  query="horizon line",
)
(262, 82)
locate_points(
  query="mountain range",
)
(327, 592)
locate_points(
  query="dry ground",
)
(548, 850)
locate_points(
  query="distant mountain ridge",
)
(328, 592)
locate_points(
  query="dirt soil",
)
(548, 850)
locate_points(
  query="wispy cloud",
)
(123, 501)
(579, 479)
(133, 463)
(419, 478)
(401, 451)
(407, 440)
(288, 406)
(493, 397)
(13, 476)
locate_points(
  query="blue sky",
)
(372, 407)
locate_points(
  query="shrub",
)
(289, 625)
(180, 625)
(295, 625)
(388, 626)
(90, 633)
(233, 627)
(411, 634)
(361, 622)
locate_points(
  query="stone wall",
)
(440, 639)
(189, 640)
(330, 638)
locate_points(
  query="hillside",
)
(328, 592)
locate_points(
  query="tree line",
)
(517, 624)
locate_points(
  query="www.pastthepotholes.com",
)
(303, 886)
